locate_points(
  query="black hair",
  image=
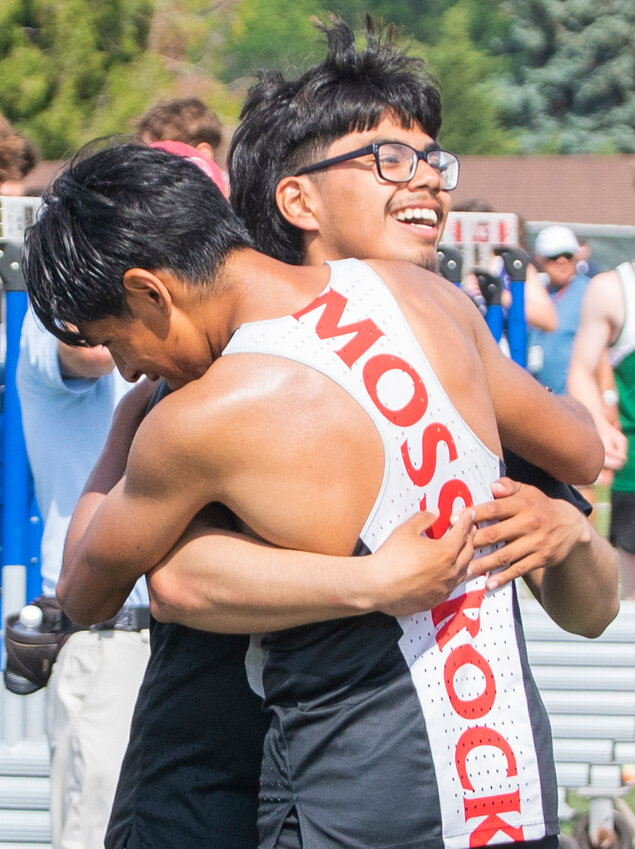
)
(117, 207)
(286, 124)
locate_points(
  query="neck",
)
(255, 287)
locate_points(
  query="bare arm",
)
(568, 566)
(539, 309)
(218, 581)
(115, 536)
(81, 596)
(93, 362)
(599, 322)
(553, 432)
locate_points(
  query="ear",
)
(296, 198)
(206, 151)
(148, 292)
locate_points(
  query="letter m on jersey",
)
(328, 326)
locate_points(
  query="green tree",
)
(468, 82)
(60, 61)
(272, 34)
(572, 88)
(423, 19)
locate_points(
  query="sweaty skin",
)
(198, 446)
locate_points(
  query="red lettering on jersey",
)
(477, 707)
(474, 738)
(450, 491)
(491, 807)
(366, 331)
(411, 412)
(432, 436)
(455, 608)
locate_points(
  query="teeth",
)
(417, 214)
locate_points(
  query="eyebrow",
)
(382, 140)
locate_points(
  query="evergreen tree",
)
(572, 88)
(467, 79)
(61, 61)
(272, 34)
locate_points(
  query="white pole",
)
(13, 599)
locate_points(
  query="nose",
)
(426, 176)
(128, 373)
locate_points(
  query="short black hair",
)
(118, 206)
(286, 124)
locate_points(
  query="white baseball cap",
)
(556, 240)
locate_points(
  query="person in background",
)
(584, 263)
(607, 326)
(549, 352)
(18, 156)
(190, 121)
(67, 397)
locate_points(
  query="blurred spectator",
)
(549, 352)
(584, 263)
(210, 168)
(607, 325)
(187, 120)
(539, 311)
(18, 156)
(67, 396)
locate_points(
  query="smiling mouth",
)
(417, 215)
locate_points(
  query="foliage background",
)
(540, 76)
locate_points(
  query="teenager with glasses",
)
(192, 765)
(398, 163)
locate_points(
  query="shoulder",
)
(413, 283)
(217, 416)
(604, 295)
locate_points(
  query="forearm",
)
(217, 581)
(88, 594)
(581, 593)
(569, 567)
(246, 586)
(582, 384)
(555, 433)
(91, 591)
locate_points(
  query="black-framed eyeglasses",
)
(397, 162)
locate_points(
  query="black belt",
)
(128, 619)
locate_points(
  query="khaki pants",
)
(90, 699)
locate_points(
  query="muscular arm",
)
(569, 567)
(579, 589)
(553, 432)
(218, 581)
(88, 597)
(225, 582)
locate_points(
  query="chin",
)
(430, 261)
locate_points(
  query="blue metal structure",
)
(20, 528)
(515, 263)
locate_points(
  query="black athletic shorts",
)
(290, 837)
(623, 520)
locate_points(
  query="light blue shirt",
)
(552, 349)
(65, 423)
